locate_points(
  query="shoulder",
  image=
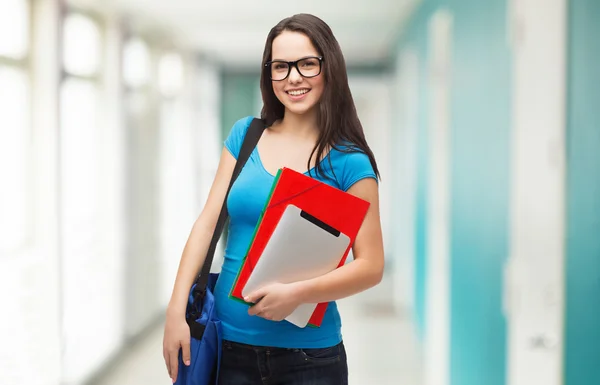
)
(236, 135)
(351, 164)
(241, 126)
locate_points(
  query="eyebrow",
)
(303, 57)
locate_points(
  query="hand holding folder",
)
(302, 215)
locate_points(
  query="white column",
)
(207, 131)
(437, 303)
(405, 171)
(535, 270)
(30, 351)
(41, 278)
(113, 175)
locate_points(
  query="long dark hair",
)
(336, 117)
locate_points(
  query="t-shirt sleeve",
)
(234, 140)
(357, 167)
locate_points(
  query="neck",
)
(301, 125)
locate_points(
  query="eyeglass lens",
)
(308, 67)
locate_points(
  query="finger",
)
(185, 352)
(255, 310)
(255, 296)
(174, 358)
(167, 362)
(266, 316)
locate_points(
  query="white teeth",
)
(298, 92)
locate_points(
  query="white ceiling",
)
(234, 31)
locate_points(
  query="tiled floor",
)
(382, 349)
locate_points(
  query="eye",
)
(309, 63)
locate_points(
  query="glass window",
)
(14, 157)
(170, 74)
(81, 52)
(88, 208)
(79, 218)
(78, 101)
(136, 63)
(14, 28)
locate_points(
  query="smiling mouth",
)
(298, 92)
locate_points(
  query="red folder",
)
(338, 209)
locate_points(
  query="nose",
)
(294, 76)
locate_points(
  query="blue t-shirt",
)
(245, 203)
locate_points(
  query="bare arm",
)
(177, 333)
(366, 270)
(198, 241)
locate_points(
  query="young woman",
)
(312, 127)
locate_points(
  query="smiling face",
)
(298, 94)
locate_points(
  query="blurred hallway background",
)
(484, 119)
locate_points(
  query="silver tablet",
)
(301, 247)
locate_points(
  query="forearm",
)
(350, 279)
(192, 259)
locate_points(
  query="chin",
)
(297, 110)
(300, 108)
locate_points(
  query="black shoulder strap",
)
(250, 140)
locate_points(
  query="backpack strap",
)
(257, 126)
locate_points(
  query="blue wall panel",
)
(480, 163)
(415, 37)
(480, 191)
(582, 333)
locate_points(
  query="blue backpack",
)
(205, 327)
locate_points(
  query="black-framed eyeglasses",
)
(307, 67)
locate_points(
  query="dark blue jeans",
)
(256, 365)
